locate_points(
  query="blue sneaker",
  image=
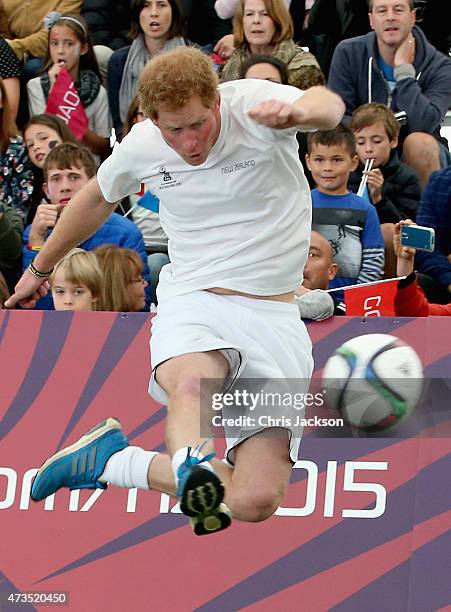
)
(79, 466)
(201, 493)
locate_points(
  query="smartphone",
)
(418, 237)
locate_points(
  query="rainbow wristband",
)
(30, 247)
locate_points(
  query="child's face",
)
(70, 296)
(62, 185)
(264, 71)
(330, 168)
(39, 140)
(65, 47)
(373, 143)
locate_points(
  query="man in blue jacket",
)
(396, 65)
(67, 169)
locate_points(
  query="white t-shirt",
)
(241, 220)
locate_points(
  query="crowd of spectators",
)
(388, 162)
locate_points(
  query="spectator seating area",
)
(70, 75)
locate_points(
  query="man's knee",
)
(256, 506)
(192, 376)
(188, 386)
(421, 147)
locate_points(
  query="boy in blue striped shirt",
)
(348, 221)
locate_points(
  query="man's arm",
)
(87, 211)
(84, 215)
(226, 8)
(319, 108)
(425, 104)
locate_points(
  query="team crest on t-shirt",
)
(167, 181)
(165, 173)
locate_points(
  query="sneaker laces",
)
(191, 456)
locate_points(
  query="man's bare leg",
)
(188, 382)
(161, 477)
(257, 484)
(103, 454)
(254, 488)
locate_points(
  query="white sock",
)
(179, 457)
(128, 468)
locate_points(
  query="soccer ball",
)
(374, 381)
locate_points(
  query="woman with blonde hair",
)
(123, 283)
(265, 27)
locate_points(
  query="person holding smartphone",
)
(410, 300)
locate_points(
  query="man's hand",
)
(405, 255)
(46, 217)
(28, 291)
(375, 184)
(405, 53)
(276, 114)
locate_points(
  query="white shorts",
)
(261, 339)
